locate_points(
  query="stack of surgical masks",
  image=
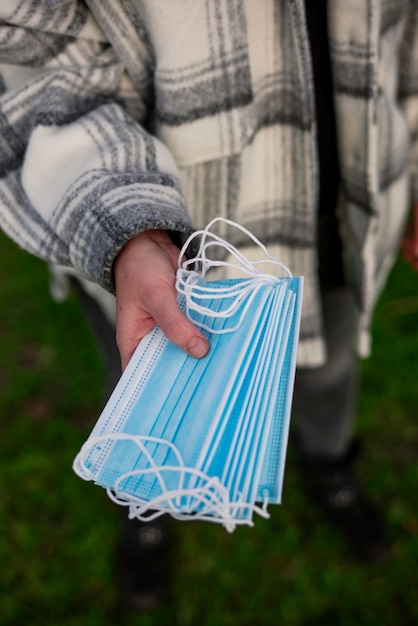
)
(205, 439)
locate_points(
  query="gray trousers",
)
(324, 398)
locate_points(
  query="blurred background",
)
(58, 533)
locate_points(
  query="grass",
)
(58, 533)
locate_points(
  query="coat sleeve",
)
(408, 86)
(79, 174)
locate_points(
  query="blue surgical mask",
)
(205, 439)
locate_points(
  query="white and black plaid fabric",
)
(120, 116)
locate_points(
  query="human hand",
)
(410, 241)
(145, 272)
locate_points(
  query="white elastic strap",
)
(243, 261)
(221, 514)
(244, 294)
(188, 282)
(212, 496)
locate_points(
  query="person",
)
(126, 125)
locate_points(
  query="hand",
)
(410, 242)
(145, 272)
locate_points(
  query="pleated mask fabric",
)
(205, 439)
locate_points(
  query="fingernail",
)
(197, 347)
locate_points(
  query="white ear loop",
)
(189, 281)
(244, 264)
(212, 497)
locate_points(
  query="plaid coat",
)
(121, 116)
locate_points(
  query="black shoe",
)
(333, 486)
(143, 557)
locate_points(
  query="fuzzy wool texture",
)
(120, 117)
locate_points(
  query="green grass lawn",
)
(58, 532)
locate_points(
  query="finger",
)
(183, 333)
(163, 307)
(134, 323)
(130, 329)
(146, 295)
